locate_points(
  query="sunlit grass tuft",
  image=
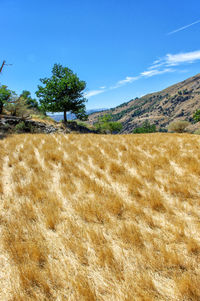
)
(100, 217)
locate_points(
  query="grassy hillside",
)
(95, 217)
(179, 101)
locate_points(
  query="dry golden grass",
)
(100, 217)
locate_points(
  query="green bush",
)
(20, 126)
(30, 102)
(5, 95)
(106, 125)
(196, 116)
(84, 124)
(145, 128)
(18, 108)
(114, 127)
(178, 126)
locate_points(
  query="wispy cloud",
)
(146, 73)
(176, 59)
(184, 27)
(158, 67)
(93, 93)
(156, 64)
(128, 79)
(150, 73)
(187, 57)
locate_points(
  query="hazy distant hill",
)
(179, 101)
(59, 116)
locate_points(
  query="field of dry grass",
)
(100, 217)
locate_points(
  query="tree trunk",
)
(65, 116)
(1, 107)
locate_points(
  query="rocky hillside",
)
(13, 125)
(179, 101)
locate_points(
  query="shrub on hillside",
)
(5, 95)
(30, 102)
(196, 116)
(178, 126)
(17, 105)
(20, 127)
(18, 108)
(85, 125)
(114, 127)
(106, 125)
(145, 128)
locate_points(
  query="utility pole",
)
(4, 64)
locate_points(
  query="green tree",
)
(63, 92)
(196, 116)
(114, 127)
(31, 102)
(105, 124)
(145, 128)
(18, 107)
(105, 118)
(5, 95)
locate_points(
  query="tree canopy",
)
(105, 124)
(17, 105)
(5, 95)
(63, 92)
(196, 116)
(31, 102)
(145, 128)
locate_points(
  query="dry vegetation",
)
(175, 103)
(94, 217)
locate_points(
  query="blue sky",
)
(122, 49)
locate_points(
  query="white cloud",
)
(176, 59)
(157, 64)
(93, 93)
(160, 66)
(150, 73)
(184, 27)
(187, 57)
(128, 79)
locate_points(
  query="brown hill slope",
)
(100, 217)
(179, 101)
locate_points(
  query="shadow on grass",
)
(3, 135)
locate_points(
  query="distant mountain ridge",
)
(178, 101)
(59, 116)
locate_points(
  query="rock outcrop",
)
(11, 124)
